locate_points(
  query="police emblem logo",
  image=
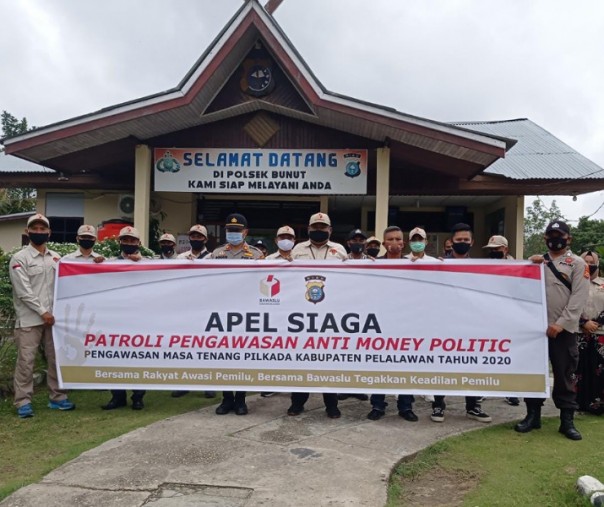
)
(167, 164)
(353, 165)
(315, 292)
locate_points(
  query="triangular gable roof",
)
(185, 106)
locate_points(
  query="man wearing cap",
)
(418, 239)
(566, 289)
(167, 245)
(32, 274)
(130, 242)
(372, 247)
(235, 248)
(198, 236)
(356, 244)
(262, 247)
(285, 241)
(318, 246)
(86, 238)
(462, 239)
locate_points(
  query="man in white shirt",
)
(285, 241)
(86, 238)
(418, 240)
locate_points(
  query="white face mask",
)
(285, 244)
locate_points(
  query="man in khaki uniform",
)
(318, 245)
(86, 238)
(356, 243)
(285, 241)
(198, 236)
(32, 274)
(167, 245)
(235, 248)
(372, 247)
(566, 289)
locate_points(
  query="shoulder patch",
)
(586, 272)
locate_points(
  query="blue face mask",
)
(417, 246)
(234, 238)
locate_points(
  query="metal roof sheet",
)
(10, 164)
(537, 154)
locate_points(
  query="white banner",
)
(261, 171)
(452, 327)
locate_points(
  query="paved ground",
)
(263, 459)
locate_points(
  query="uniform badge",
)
(314, 288)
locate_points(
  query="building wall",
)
(10, 233)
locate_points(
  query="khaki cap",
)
(419, 232)
(286, 229)
(129, 231)
(496, 242)
(373, 239)
(38, 218)
(87, 230)
(167, 237)
(200, 229)
(319, 218)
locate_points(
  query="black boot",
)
(567, 425)
(532, 421)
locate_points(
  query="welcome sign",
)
(456, 327)
(215, 170)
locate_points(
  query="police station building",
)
(250, 129)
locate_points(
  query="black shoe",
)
(113, 404)
(241, 409)
(567, 424)
(375, 414)
(333, 413)
(178, 394)
(408, 415)
(342, 397)
(295, 410)
(224, 408)
(137, 405)
(210, 394)
(513, 401)
(362, 397)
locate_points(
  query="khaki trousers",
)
(28, 340)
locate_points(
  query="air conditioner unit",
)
(125, 205)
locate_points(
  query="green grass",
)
(537, 469)
(30, 448)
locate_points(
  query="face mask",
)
(86, 244)
(417, 246)
(167, 249)
(318, 236)
(234, 238)
(556, 244)
(357, 248)
(128, 249)
(197, 244)
(592, 269)
(461, 248)
(38, 238)
(285, 244)
(373, 252)
(495, 255)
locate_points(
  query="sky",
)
(445, 60)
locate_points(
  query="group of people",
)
(575, 306)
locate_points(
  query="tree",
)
(536, 219)
(15, 200)
(588, 235)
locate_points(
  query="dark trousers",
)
(236, 398)
(330, 399)
(439, 401)
(403, 402)
(119, 395)
(564, 356)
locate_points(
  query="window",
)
(65, 212)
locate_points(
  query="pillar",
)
(143, 162)
(382, 190)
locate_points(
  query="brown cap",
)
(38, 218)
(167, 237)
(496, 242)
(286, 229)
(129, 231)
(200, 229)
(319, 218)
(87, 230)
(418, 231)
(373, 239)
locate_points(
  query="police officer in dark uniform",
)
(566, 289)
(235, 248)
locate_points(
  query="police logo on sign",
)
(314, 288)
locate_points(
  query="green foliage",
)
(11, 126)
(536, 219)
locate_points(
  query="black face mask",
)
(318, 236)
(86, 244)
(556, 244)
(167, 249)
(461, 248)
(357, 247)
(373, 252)
(592, 269)
(197, 244)
(128, 249)
(495, 255)
(38, 238)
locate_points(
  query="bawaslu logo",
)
(269, 288)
